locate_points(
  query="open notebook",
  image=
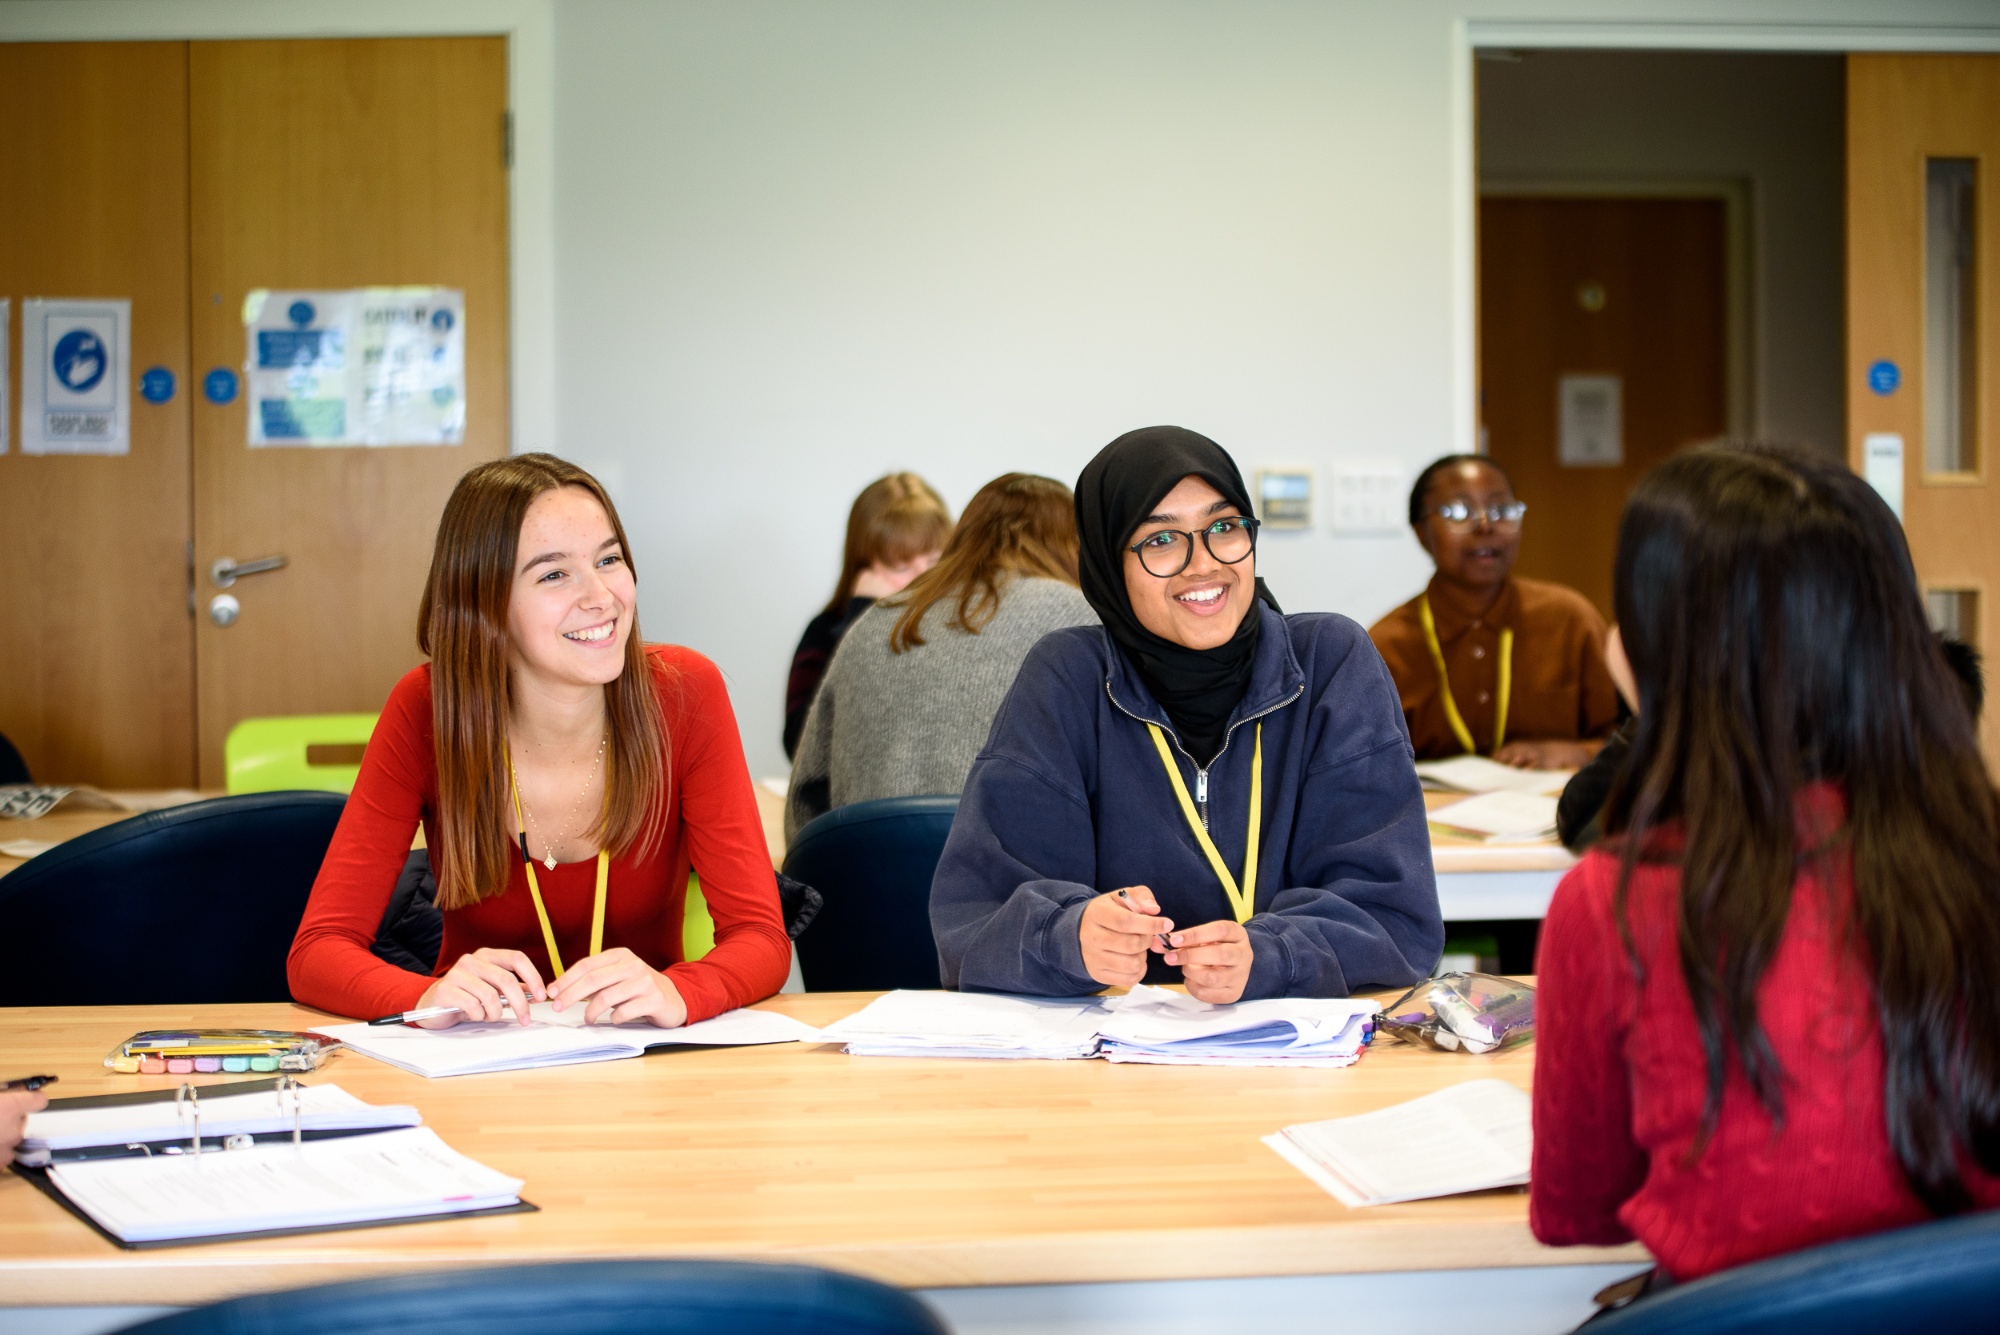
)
(1470, 1137)
(553, 1038)
(126, 1125)
(394, 1175)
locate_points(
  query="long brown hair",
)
(1018, 524)
(463, 627)
(1770, 611)
(895, 519)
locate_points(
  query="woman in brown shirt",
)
(1485, 661)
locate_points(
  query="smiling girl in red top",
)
(543, 729)
(1770, 1001)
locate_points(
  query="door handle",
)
(227, 571)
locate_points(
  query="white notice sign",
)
(1590, 409)
(368, 366)
(76, 376)
(1882, 466)
(6, 409)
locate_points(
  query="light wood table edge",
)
(186, 1275)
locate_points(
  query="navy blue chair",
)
(1942, 1276)
(195, 903)
(872, 864)
(13, 769)
(575, 1298)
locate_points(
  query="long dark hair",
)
(895, 519)
(1018, 523)
(1771, 614)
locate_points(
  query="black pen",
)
(30, 1082)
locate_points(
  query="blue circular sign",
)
(79, 360)
(301, 313)
(441, 321)
(156, 385)
(220, 385)
(1884, 376)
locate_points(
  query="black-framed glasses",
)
(1458, 512)
(1166, 552)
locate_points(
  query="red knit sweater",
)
(711, 825)
(1620, 1080)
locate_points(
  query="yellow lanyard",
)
(535, 889)
(1242, 899)
(1451, 714)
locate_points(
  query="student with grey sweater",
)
(912, 691)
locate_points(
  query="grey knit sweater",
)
(902, 725)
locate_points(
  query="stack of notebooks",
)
(1471, 1137)
(553, 1038)
(1477, 774)
(268, 1163)
(1149, 1024)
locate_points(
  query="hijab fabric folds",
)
(1199, 688)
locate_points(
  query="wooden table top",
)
(1450, 853)
(921, 1172)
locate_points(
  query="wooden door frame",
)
(1469, 36)
(1739, 262)
(528, 27)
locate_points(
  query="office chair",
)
(13, 769)
(269, 755)
(872, 865)
(194, 903)
(1940, 1276)
(574, 1298)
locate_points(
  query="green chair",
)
(267, 755)
(697, 927)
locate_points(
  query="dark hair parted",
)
(1418, 510)
(1018, 524)
(894, 520)
(1771, 614)
(462, 625)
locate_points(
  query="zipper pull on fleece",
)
(1201, 785)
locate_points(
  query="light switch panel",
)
(1370, 498)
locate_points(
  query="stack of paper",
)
(1501, 817)
(1477, 774)
(970, 1024)
(554, 1038)
(406, 1174)
(1470, 1137)
(1151, 1024)
(93, 1128)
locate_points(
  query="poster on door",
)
(1591, 421)
(6, 409)
(363, 366)
(76, 376)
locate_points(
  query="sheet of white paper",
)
(394, 1175)
(1469, 1137)
(363, 366)
(977, 1024)
(323, 1107)
(76, 376)
(26, 848)
(1156, 1015)
(1477, 774)
(1507, 815)
(6, 408)
(1591, 430)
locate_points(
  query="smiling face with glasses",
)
(1472, 530)
(1191, 566)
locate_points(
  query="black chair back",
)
(574, 1298)
(195, 903)
(1942, 1276)
(13, 769)
(872, 864)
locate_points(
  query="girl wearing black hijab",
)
(1202, 789)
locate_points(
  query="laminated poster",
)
(366, 366)
(76, 376)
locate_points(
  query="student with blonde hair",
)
(894, 532)
(912, 691)
(567, 778)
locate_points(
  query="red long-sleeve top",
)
(1620, 1080)
(711, 826)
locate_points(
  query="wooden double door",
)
(181, 176)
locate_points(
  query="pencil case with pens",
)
(200, 1051)
(1463, 1012)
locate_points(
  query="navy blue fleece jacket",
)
(1069, 799)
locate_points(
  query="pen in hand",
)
(1157, 936)
(426, 1013)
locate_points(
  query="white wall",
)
(802, 242)
(1776, 121)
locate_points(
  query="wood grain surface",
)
(920, 1172)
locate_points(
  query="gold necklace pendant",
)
(550, 861)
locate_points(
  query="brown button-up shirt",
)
(1561, 689)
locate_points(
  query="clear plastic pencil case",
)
(186, 1051)
(1463, 1012)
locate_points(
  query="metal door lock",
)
(223, 609)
